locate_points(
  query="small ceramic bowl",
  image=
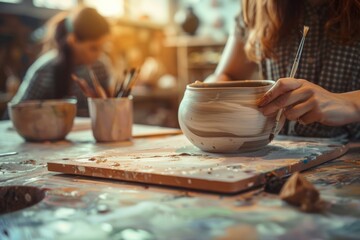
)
(223, 116)
(43, 120)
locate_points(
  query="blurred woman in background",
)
(324, 100)
(77, 44)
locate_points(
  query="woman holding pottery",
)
(77, 44)
(324, 97)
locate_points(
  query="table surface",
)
(90, 208)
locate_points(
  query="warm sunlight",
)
(108, 8)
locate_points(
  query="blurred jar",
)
(187, 20)
(12, 82)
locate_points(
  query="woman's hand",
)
(307, 103)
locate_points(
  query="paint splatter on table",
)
(87, 208)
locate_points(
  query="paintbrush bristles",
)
(306, 29)
(118, 90)
(130, 83)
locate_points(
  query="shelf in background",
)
(188, 41)
(139, 23)
(202, 66)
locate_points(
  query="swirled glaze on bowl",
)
(43, 120)
(224, 117)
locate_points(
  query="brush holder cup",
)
(111, 119)
(224, 117)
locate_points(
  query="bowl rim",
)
(229, 85)
(42, 102)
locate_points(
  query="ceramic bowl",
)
(43, 120)
(223, 117)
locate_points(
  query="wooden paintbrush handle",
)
(98, 88)
(87, 91)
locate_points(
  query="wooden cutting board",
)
(174, 161)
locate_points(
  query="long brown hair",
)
(270, 22)
(86, 24)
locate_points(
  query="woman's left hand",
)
(307, 103)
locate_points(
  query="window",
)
(147, 9)
(55, 4)
(11, 1)
(108, 8)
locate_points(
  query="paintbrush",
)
(120, 87)
(292, 75)
(126, 82)
(98, 88)
(112, 85)
(86, 89)
(131, 83)
(118, 83)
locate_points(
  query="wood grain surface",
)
(173, 161)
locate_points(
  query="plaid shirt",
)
(39, 82)
(330, 65)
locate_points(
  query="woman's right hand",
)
(307, 103)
